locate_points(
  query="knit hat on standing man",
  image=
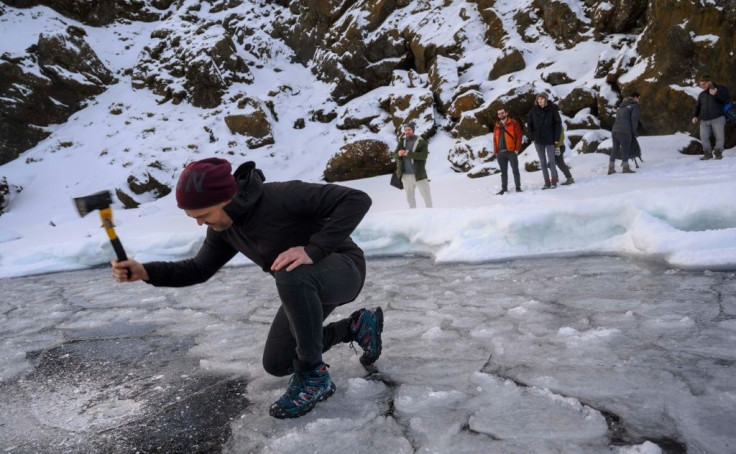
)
(205, 183)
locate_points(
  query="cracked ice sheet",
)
(471, 354)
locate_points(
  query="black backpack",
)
(634, 153)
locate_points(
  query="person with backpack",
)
(507, 140)
(299, 233)
(411, 159)
(544, 128)
(624, 131)
(709, 112)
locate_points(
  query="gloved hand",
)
(558, 151)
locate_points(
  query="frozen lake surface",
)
(555, 355)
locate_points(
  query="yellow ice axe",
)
(102, 201)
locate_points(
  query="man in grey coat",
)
(624, 131)
(709, 111)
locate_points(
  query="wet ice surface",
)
(573, 355)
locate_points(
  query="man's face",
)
(408, 132)
(502, 115)
(541, 102)
(213, 216)
(704, 84)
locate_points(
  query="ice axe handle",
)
(106, 217)
(119, 251)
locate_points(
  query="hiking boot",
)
(546, 185)
(304, 391)
(366, 326)
(719, 154)
(518, 189)
(502, 192)
(706, 156)
(554, 184)
(627, 169)
(567, 182)
(611, 169)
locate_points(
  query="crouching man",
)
(300, 234)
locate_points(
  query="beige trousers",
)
(410, 184)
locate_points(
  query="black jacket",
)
(710, 107)
(544, 124)
(269, 218)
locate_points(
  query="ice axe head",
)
(101, 201)
(97, 201)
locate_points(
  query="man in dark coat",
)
(545, 127)
(300, 234)
(709, 112)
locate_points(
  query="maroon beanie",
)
(205, 183)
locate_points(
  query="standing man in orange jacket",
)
(507, 138)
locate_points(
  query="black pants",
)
(560, 161)
(504, 158)
(621, 140)
(309, 293)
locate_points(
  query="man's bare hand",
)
(291, 258)
(403, 152)
(128, 271)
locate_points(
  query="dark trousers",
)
(560, 161)
(504, 158)
(309, 293)
(621, 140)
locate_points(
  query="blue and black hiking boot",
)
(366, 326)
(304, 391)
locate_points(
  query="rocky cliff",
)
(446, 65)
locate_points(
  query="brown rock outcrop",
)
(416, 106)
(619, 16)
(360, 159)
(101, 12)
(578, 99)
(467, 101)
(560, 22)
(511, 61)
(7, 192)
(443, 80)
(253, 123)
(194, 63)
(478, 122)
(45, 87)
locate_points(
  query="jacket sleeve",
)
(517, 136)
(213, 255)
(530, 124)
(494, 140)
(422, 152)
(723, 95)
(696, 111)
(399, 145)
(557, 124)
(340, 207)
